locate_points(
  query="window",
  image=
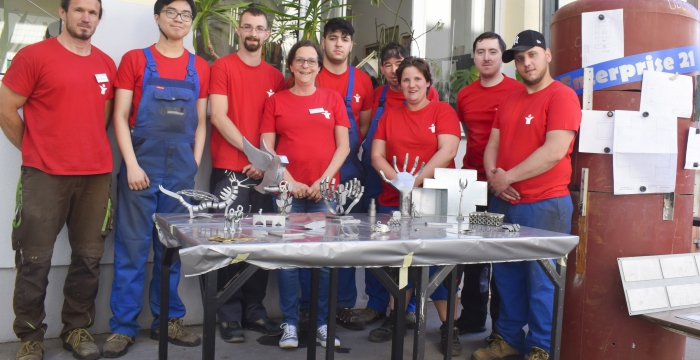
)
(25, 22)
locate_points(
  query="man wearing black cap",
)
(528, 169)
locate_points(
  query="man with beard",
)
(65, 177)
(160, 125)
(476, 107)
(356, 89)
(241, 83)
(528, 169)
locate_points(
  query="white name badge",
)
(316, 111)
(101, 78)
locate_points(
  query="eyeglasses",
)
(248, 28)
(172, 14)
(313, 62)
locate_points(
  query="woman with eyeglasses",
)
(309, 125)
(423, 128)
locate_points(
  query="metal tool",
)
(403, 183)
(462, 186)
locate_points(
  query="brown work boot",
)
(369, 315)
(117, 345)
(537, 354)
(498, 349)
(81, 344)
(30, 350)
(178, 334)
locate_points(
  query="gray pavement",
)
(354, 345)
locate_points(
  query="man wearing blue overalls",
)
(161, 142)
(356, 89)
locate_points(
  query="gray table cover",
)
(328, 247)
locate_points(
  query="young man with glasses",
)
(160, 125)
(65, 176)
(240, 85)
(356, 89)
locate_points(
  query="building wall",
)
(372, 18)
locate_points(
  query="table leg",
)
(209, 326)
(558, 277)
(313, 313)
(450, 323)
(393, 288)
(169, 256)
(332, 306)
(421, 277)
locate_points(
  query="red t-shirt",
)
(415, 133)
(247, 89)
(476, 107)
(130, 75)
(555, 107)
(361, 93)
(308, 140)
(396, 98)
(64, 114)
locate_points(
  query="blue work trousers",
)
(172, 165)
(527, 294)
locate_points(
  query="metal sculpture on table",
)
(462, 186)
(284, 201)
(352, 190)
(233, 218)
(273, 165)
(403, 183)
(208, 201)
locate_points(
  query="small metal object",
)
(351, 190)
(275, 220)
(351, 230)
(601, 17)
(610, 114)
(381, 228)
(486, 218)
(284, 201)
(344, 217)
(645, 114)
(643, 188)
(395, 219)
(462, 186)
(320, 224)
(372, 208)
(287, 235)
(438, 225)
(403, 183)
(414, 211)
(233, 217)
(345, 221)
(607, 150)
(511, 227)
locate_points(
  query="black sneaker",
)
(410, 320)
(232, 332)
(384, 332)
(265, 326)
(456, 346)
(468, 328)
(346, 318)
(303, 319)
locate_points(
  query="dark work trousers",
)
(45, 203)
(475, 293)
(246, 304)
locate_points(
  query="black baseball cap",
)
(526, 40)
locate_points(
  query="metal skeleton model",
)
(462, 186)
(208, 201)
(403, 183)
(352, 190)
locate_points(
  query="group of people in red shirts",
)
(329, 122)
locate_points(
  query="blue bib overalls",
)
(163, 141)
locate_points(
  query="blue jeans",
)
(288, 280)
(527, 294)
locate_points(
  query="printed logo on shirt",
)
(103, 89)
(432, 128)
(160, 87)
(528, 119)
(357, 98)
(270, 93)
(326, 114)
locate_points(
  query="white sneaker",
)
(322, 336)
(289, 338)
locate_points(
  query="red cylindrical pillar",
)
(596, 322)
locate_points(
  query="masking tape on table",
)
(240, 258)
(403, 272)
